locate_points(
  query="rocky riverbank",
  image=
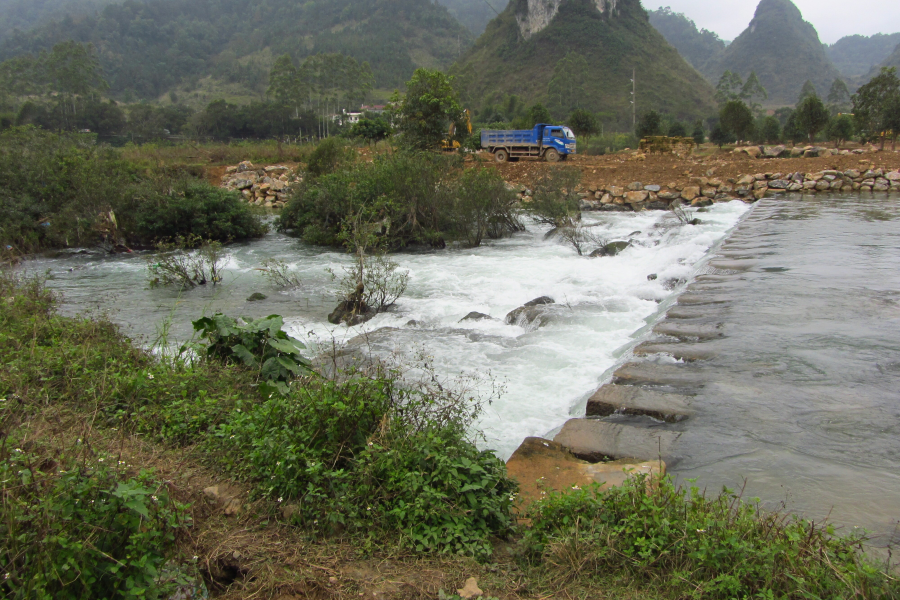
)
(269, 186)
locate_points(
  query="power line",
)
(492, 8)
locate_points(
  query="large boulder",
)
(530, 312)
(774, 151)
(610, 249)
(476, 316)
(541, 466)
(690, 192)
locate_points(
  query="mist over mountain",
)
(698, 46)
(474, 14)
(856, 55)
(783, 50)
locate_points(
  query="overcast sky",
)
(833, 19)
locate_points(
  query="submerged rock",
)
(530, 312)
(256, 297)
(476, 316)
(610, 249)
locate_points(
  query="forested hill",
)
(474, 14)
(856, 55)
(891, 61)
(581, 54)
(698, 46)
(782, 49)
(148, 48)
(26, 14)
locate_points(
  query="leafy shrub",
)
(691, 546)
(260, 345)
(376, 452)
(81, 531)
(328, 157)
(176, 264)
(554, 198)
(421, 198)
(279, 273)
(383, 283)
(195, 209)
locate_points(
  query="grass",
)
(98, 418)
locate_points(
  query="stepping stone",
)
(688, 312)
(721, 278)
(542, 466)
(648, 373)
(688, 352)
(694, 299)
(733, 265)
(701, 331)
(594, 440)
(631, 400)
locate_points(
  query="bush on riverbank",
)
(405, 199)
(63, 190)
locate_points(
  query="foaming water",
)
(546, 371)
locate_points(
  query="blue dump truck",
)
(550, 142)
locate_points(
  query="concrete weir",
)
(638, 417)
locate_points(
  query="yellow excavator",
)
(450, 144)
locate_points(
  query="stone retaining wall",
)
(704, 191)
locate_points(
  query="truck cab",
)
(558, 137)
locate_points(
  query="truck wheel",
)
(551, 155)
(501, 156)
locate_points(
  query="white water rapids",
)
(547, 372)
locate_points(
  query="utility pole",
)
(633, 99)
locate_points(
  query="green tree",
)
(730, 87)
(650, 124)
(429, 107)
(584, 123)
(892, 119)
(792, 130)
(770, 131)
(371, 130)
(284, 82)
(677, 129)
(539, 114)
(737, 118)
(753, 93)
(720, 136)
(838, 97)
(812, 116)
(808, 90)
(872, 104)
(840, 129)
(699, 135)
(73, 70)
(566, 87)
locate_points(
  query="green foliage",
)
(811, 116)
(149, 50)
(566, 87)
(330, 155)
(650, 124)
(698, 134)
(371, 131)
(808, 91)
(697, 46)
(583, 123)
(483, 207)
(187, 262)
(401, 199)
(856, 55)
(770, 131)
(872, 104)
(260, 345)
(689, 546)
(373, 452)
(383, 282)
(736, 118)
(196, 209)
(426, 112)
(720, 136)
(840, 129)
(59, 190)
(81, 529)
(677, 129)
(538, 114)
(729, 88)
(555, 198)
(838, 97)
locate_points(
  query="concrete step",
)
(733, 265)
(633, 400)
(697, 331)
(680, 351)
(694, 299)
(690, 312)
(596, 441)
(648, 373)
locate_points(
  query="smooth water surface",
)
(803, 397)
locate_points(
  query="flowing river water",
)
(803, 402)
